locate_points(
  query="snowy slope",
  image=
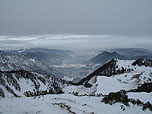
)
(16, 83)
(139, 73)
(64, 104)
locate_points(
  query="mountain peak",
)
(104, 57)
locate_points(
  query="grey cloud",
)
(116, 17)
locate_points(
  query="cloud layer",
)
(75, 42)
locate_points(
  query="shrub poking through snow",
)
(146, 87)
(41, 92)
(121, 97)
(116, 97)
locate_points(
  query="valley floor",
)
(69, 104)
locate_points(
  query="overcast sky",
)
(98, 17)
(75, 24)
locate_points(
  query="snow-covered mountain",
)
(119, 83)
(19, 82)
(122, 54)
(45, 56)
(16, 62)
(119, 87)
(114, 76)
(32, 60)
(140, 69)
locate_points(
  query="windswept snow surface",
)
(51, 104)
(105, 85)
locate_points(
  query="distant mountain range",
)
(134, 53)
(45, 56)
(104, 57)
(15, 61)
(57, 62)
(122, 54)
(36, 60)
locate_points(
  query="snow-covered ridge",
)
(114, 76)
(16, 83)
(117, 67)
